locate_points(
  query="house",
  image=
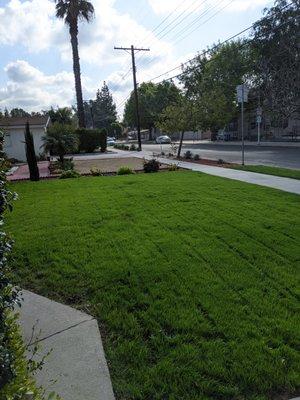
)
(14, 128)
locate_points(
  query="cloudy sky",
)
(35, 53)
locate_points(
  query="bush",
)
(96, 171)
(151, 166)
(196, 157)
(91, 139)
(69, 174)
(220, 161)
(133, 147)
(125, 171)
(188, 155)
(173, 167)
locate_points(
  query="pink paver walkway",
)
(22, 173)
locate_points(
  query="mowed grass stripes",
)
(194, 279)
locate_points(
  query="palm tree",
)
(72, 11)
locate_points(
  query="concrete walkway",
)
(76, 368)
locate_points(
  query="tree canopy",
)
(276, 46)
(210, 83)
(153, 99)
(101, 112)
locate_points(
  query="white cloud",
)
(168, 6)
(29, 23)
(29, 88)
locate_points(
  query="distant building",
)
(285, 130)
(14, 128)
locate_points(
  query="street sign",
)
(258, 119)
(242, 92)
(259, 111)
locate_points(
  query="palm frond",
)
(72, 10)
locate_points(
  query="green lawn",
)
(194, 279)
(262, 169)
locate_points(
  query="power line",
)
(198, 26)
(210, 8)
(210, 50)
(174, 20)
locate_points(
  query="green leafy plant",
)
(125, 171)
(60, 140)
(133, 147)
(197, 157)
(96, 171)
(188, 155)
(69, 174)
(173, 167)
(151, 166)
(220, 161)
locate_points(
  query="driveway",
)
(278, 156)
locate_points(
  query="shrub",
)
(133, 147)
(188, 155)
(173, 167)
(96, 171)
(151, 166)
(196, 157)
(30, 155)
(220, 161)
(163, 153)
(60, 140)
(69, 174)
(91, 139)
(126, 148)
(125, 171)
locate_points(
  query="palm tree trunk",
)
(77, 75)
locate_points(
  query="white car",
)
(163, 140)
(111, 141)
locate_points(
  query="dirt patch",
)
(108, 164)
(213, 163)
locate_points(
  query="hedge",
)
(16, 382)
(91, 139)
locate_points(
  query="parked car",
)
(111, 141)
(225, 136)
(163, 140)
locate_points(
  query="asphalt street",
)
(279, 156)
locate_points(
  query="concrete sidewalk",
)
(76, 368)
(275, 182)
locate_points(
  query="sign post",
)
(258, 120)
(242, 97)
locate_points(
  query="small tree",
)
(30, 155)
(179, 117)
(60, 140)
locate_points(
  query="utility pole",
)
(132, 49)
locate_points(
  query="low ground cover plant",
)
(188, 155)
(96, 171)
(198, 300)
(125, 171)
(151, 166)
(69, 174)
